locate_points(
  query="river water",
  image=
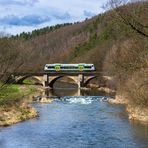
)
(76, 120)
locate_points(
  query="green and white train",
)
(69, 67)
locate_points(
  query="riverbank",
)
(14, 104)
(102, 89)
(16, 113)
(135, 113)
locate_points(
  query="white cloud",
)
(25, 15)
(18, 2)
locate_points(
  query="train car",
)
(69, 67)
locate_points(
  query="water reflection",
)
(62, 92)
(65, 89)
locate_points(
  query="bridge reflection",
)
(63, 89)
(71, 92)
(50, 94)
(61, 92)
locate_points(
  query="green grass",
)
(29, 82)
(82, 48)
(11, 94)
(94, 40)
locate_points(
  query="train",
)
(69, 67)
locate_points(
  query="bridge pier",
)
(80, 80)
(46, 81)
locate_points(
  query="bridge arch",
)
(53, 80)
(20, 79)
(87, 80)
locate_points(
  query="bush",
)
(136, 88)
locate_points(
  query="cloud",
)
(88, 13)
(18, 2)
(24, 20)
(25, 15)
(60, 16)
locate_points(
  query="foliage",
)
(82, 48)
(26, 81)
(13, 94)
(42, 31)
(136, 88)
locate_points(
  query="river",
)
(76, 120)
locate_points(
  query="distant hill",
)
(77, 42)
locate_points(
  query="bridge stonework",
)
(79, 80)
(48, 79)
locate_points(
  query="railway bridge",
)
(47, 79)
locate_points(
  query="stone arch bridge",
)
(47, 79)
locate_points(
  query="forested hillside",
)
(115, 41)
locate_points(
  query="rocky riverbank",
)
(135, 113)
(102, 89)
(138, 114)
(16, 113)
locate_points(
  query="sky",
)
(17, 16)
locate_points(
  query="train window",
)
(69, 67)
(87, 66)
(50, 66)
(62, 67)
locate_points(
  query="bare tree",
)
(10, 59)
(130, 12)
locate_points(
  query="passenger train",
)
(69, 67)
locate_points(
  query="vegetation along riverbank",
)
(15, 104)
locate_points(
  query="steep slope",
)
(78, 42)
